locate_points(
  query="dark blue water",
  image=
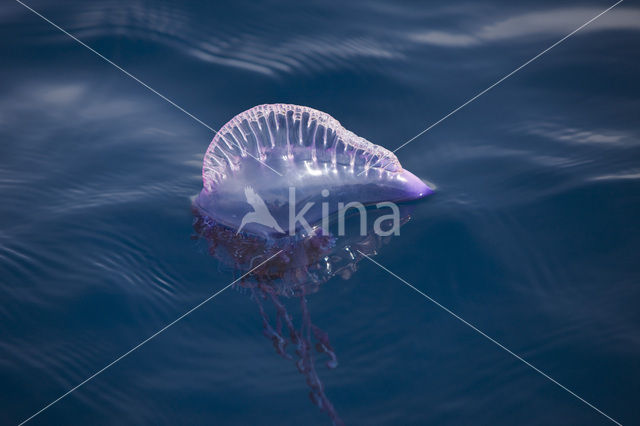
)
(533, 235)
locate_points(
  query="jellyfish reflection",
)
(302, 266)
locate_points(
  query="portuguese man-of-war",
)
(241, 213)
(307, 160)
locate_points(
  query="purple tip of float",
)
(414, 187)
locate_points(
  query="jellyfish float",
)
(277, 179)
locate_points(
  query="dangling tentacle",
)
(279, 343)
(302, 339)
(317, 389)
(323, 345)
(284, 315)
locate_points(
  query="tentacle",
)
(302, 339)
(279, 343)
(317, 394)
(323, 345)
(284, 315)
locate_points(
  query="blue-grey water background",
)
(533, 235)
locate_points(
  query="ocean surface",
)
(532, 236)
